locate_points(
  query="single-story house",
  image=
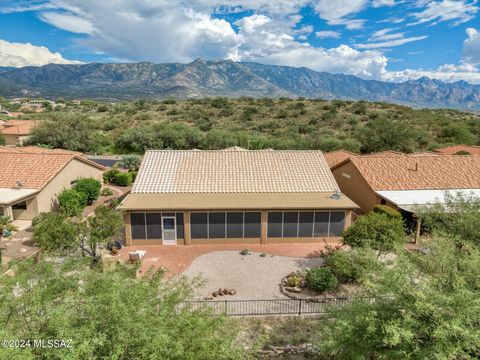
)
(234, 196)
(31, 178)
(16, 132)
(459, 149)
(406, 182)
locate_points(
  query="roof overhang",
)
(410, 200)
(235, 201)
(11, 196)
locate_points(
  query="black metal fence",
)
(266, 307)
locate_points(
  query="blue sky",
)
(392, 40)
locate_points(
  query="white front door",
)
(169, 230)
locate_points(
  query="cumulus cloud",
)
(25, 54)
(448, 73)
(338, 12)
(471, 46)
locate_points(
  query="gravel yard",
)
(252, 276)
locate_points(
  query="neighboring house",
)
(234, 196)
(462, 149)
(16, 132)
(336, 157)
(406, 182)
(31, 178)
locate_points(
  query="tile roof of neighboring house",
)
(223, 171)
(335, 157)
(17, 127)
(386, 153)
(38, 150)
(419, 172)
(33, 169)
(451, 150)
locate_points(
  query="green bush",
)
(134, 175)
(351, 266)
(72, 202)
(321, 279)
(123, 179)
(110, 175)
(387, 210)
(376, 231)
(106, 192)
(90, 187)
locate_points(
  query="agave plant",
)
(6, 225)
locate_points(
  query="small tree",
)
(381, 232)
(102, 229)
(130, 162)
(2, 140)
(55, 232)
(90, 187)
(72, 202)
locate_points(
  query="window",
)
(180, 234)
(199, 225)
(275, 220)
(253, 226)
(321, 223)
(216, 225)
(137, 223)
(154, 225)
(235, 225)
(290, 224)
(337, 223)
(20, 206)
(305, 224)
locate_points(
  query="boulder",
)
(293, 289)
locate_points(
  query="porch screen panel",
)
(179, 220)
(274, 224)
(199, 225)
(235, 225)
(305, 224)
(154, 225)
(137, 224)
(337, 223)
(253, 226)
(290, 224)
(321, 224)
(216, 225)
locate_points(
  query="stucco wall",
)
(47, 198)
(29, 213)
(355, 187)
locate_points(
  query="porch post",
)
(186, 228)
(417, 228)
(263, 233)
(128, 231)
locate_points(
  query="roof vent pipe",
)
(416, 166)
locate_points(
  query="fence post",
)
(226, 308)
(299, 306)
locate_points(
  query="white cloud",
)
(471, 46)
(447, 10)
(327, 34)
(379, 3)
(390, 43)
(68, 22)
(447, 73)
(337, 12)
(25, 54)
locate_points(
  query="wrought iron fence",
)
(266, 307)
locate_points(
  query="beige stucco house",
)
(16, 132)
(31, 178)
(234, 196)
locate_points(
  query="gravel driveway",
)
(252, 276)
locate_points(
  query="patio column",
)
(7, 211)
(128, 232)
(186, 228)
(263, 233)
(417, 228)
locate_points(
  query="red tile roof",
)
(452, 150)
(336, 157)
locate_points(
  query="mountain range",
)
(128, 81)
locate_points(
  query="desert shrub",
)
(110, 175)
(2, 140)
(462, 152)
(130, 162)
(54, 232)
(351, 266)
(321, 279)
(387, 210)
(380, 232)
(90, 187)
(72, 202)
(134, 175)
(123, 179)
(106, 192)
